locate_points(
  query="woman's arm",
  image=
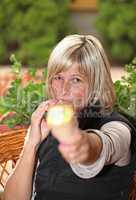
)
(81, 147)
(116, 138)
(19, 184)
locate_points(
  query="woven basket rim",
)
(11, 144)
(4, 133)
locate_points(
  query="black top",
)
(56, 180)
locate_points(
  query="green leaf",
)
(126, 92)
(45, 72)
(22, 100)
(16, 65)
(32, 71)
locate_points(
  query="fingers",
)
(44, 129)
(74, 157)
(40, 111)
(75, 153)
(68, 133)
(75, 139)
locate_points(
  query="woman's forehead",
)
(73, 69)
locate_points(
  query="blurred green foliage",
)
(22, 100)
(126, 92)
(116, 22)
(31, 28)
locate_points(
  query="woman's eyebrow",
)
(79, 75)
(72, 75)
(58, 74)
(76, 74)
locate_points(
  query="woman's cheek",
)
(79, 98)
(81, 93)
(56, 90)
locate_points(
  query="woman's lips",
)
(64, 101)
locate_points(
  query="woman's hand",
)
(65, 131)
(74, 143)
(83, 148)
(77, 148)
(38, 129)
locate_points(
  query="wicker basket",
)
(11, 144)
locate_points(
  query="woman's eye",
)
(76, 80)
(57, 78)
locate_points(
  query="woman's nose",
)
(65, 88)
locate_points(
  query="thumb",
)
(44, 129)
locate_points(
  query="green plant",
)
(116, 22)
(31, 28)
(126, 92)
(21, 100)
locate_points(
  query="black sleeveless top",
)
(56, 180)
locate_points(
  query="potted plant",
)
(25, 93)
(126, 92)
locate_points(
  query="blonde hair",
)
(88, 53)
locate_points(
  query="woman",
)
(91, 156)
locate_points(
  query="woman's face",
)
(71, 86)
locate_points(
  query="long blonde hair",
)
(88, 53)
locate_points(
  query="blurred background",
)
(30, 29)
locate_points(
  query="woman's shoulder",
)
(97, 121)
